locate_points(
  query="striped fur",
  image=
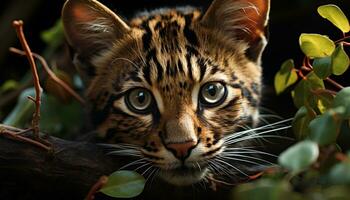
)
(172, 53)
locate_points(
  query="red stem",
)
(18, 25)
(96, 187)
(52, 75)
(335, 84)
(342, 39)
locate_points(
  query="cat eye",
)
(139, 100)
(213, 94)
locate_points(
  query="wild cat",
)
(172, 88)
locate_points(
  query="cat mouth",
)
(184, 175)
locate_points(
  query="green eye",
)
(139, 100)
(213, 93)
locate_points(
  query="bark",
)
(71, 169)
(68, 172)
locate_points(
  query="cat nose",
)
(181, 150)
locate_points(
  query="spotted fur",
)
(171, 53)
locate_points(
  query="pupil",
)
(212, 90)
(141, 97)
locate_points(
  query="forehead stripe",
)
(180, 66)
(189, 65)
(190, 35)
(152, 56)
(202, 67)
(147, 74)
(147, 36)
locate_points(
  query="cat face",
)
(171, 86)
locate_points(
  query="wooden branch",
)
(68, 172)
(72, 170)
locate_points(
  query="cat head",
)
(173, 84)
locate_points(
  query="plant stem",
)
(96, 187)
(342, 39)
(335, 84)
(52, 75)
(18, 25)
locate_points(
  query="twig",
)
(17, 136)
(96, 187)
(255, 176)
(341, 157)
(346, 43)
(335, 84)
(52, 75)
(323, 91)
(18, 25)
(308, 67)
(300, 73)
(342, 39)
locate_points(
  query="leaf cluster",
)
(315, 167)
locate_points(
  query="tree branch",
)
(72, 170)
(67, 172)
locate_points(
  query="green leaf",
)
(340, 61)
(302, 93)
(301, 122)
(265, 189)
(316, 46)
(285, 77)
(299, 156)
(325, 128)
(54, 36)
(335, 15)
(335, 192)
(8, 85)
(340, 173)
(324, 101)
(323, 67)
(23, 111)
(342, 99)
(60, 122)
(124, 184)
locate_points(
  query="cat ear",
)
(90, 26)
(242, 19)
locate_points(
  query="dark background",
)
(288, 19)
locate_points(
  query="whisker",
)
(271, 116)
(152, 175)
(250, 137)
(242, 160)
(232, 157)
(126, 59)
(144, 165)
(228, 164)
(125, 153)
(145, 172)
(238, 134)
(222, 170)
(139, 161)
(257, 135)
(251, 151)
(119, 146)
(199, 167)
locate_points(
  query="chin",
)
(183, 176)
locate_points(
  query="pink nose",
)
(181, 150)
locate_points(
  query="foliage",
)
(312, 168)
(316, 167)
(124, 184)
